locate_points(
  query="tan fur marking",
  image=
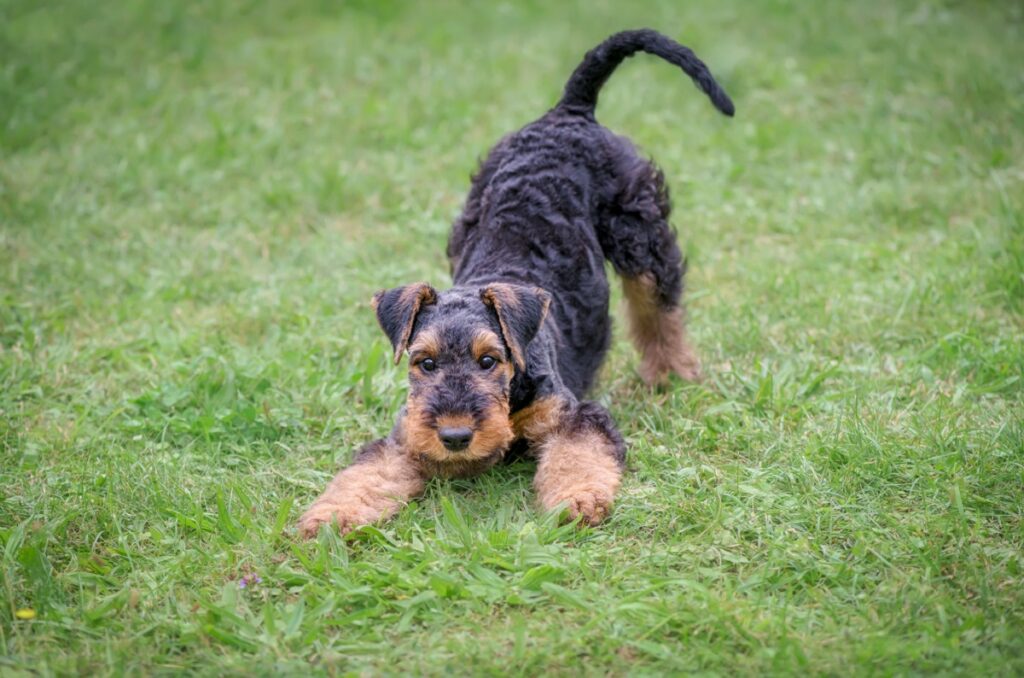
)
(417, 293)
(539, 419)
(460, 468)
(427, 342)
(579, 471)
(506, 368)
(495, 433)
(488, 446)
(487, 343)
(419, 437)
(659, 335)
(455, 421)
(366, 492)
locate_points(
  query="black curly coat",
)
(552, 201)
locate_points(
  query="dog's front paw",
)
(591, 507)
(347, 517)
(590, 504)
(690, 371)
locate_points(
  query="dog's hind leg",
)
(636, 237)
(658, 331)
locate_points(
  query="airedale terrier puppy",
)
(506, 355)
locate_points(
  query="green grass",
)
(198, 199)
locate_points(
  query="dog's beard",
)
(492, 435)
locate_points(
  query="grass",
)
(198, 199)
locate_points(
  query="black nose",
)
(455, 439)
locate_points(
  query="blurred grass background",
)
(198, 199)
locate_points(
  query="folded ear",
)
(397, 309)
(520, 310)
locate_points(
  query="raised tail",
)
(586, 81)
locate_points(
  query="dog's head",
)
(465, 345)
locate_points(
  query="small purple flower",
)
(249, 579)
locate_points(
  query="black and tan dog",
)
(505, 355)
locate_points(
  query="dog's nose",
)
(455, 439)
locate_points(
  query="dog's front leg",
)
(580, 464)
(379, 482)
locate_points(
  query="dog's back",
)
(552, 201)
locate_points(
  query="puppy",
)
(506, 355)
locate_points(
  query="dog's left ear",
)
(397, 309)
(520, 310)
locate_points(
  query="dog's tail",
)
(586, 81)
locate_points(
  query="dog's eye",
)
(487, 362)
(428, 365)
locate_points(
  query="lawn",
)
(197, 201)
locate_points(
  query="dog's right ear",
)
(397, 309)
